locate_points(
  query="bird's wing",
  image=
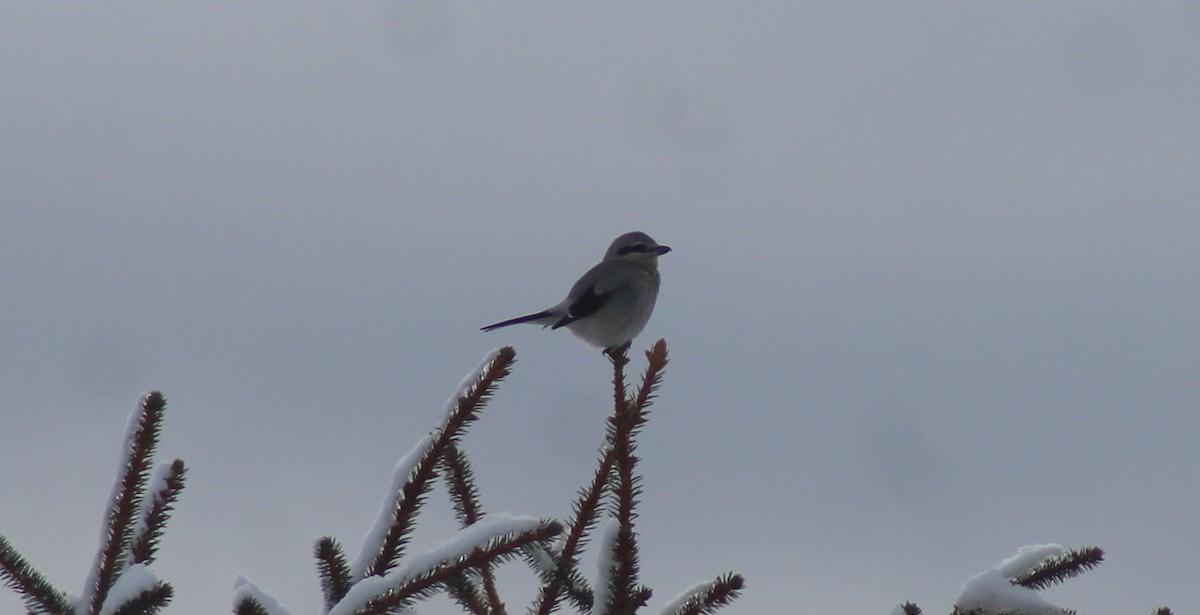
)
(594, 290)
(583, 306)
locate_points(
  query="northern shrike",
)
(611, 303)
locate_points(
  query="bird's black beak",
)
(660, 250)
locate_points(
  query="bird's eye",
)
(637, 247)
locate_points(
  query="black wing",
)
(587, 304)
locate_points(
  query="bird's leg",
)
(614, 352)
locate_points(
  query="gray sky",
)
(933, 295)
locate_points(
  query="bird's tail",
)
(542, 315)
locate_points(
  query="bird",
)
(612, 302)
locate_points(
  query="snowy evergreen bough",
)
(120, 581)
(1010, 587)
(385, 578)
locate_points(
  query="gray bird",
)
(611, 303)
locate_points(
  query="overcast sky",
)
(933, 294)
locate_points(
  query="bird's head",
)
(636, 246)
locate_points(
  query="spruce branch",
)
(466, 592)
(642, 595)
(460, 482)
(408, 499)
(464, 494)
(333, 570)
(585, 510)
(910, 608)
(126, 498)
(585, 514)
(629, 415)
(422, 584)
(495, 603)
(248, 598)
(558, 579)
(1162, 610)
(619, 357)
(625, 596)
(1055, 570)
(155, 516)
(719, 592)
(656, 364)
(249, 605)
(149, 602)
(40, 597)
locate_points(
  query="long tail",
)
(518, 320)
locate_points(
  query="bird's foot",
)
(618, 351)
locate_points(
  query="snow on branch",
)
(137, 592)
(605, 566)
(993, 591)
(464, 494)
(248, 599)
(164, 490)
(149, 601)
(141, 439)
(1010, 587)
(384, 545)
(249, 605)
(706, 598)
(392, 523)
(118, 583)
(1055, 570)
(559, 577)
(492, 540)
